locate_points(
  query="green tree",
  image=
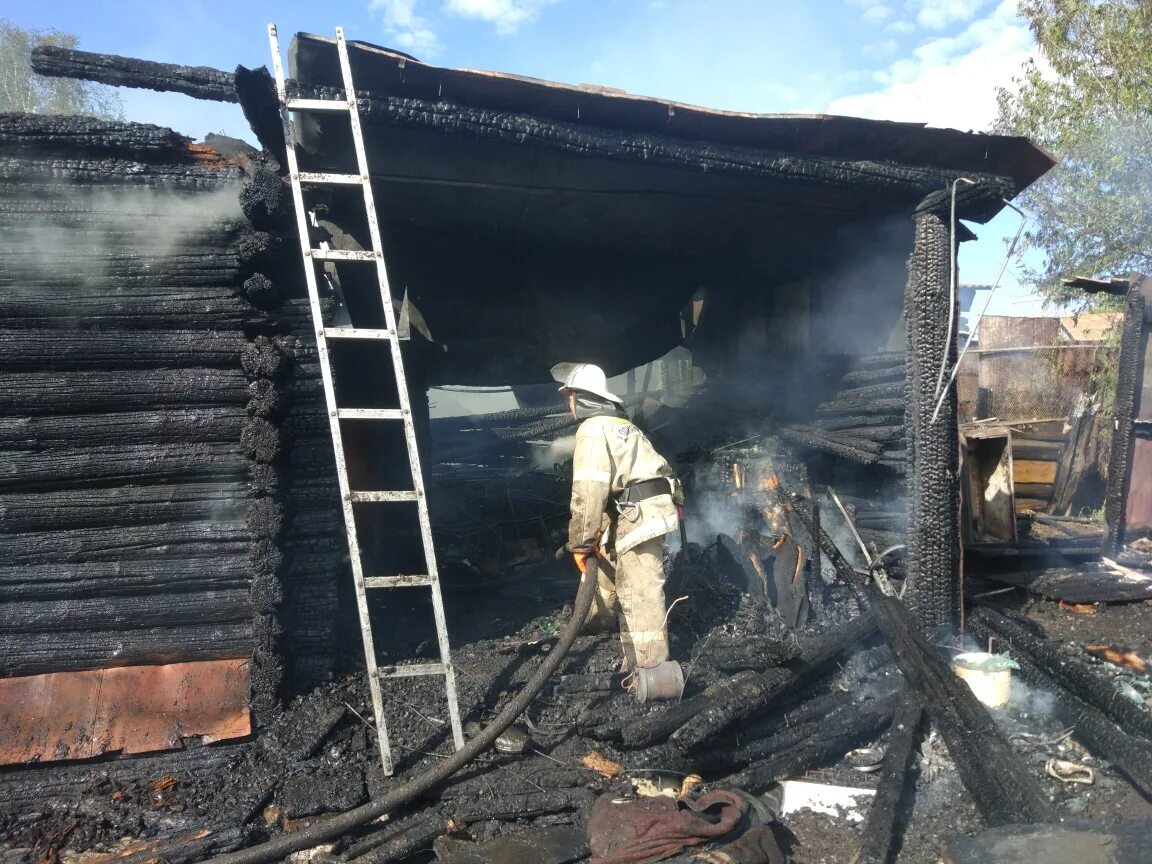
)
(23, 90)
(1088, 101)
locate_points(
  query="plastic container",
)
(990, 681)
(660, 683)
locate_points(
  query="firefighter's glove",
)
(581, 559)
(677, 493)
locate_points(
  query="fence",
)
(1033, 383)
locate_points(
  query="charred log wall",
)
(933, 490)
(146, 422)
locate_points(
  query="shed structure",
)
(525, 222)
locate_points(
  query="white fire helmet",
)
(586, 377)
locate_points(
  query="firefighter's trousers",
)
(630, 591)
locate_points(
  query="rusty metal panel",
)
(130, 709)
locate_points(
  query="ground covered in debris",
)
(585, 735)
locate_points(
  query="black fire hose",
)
(306, 838)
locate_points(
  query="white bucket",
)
(993, 687)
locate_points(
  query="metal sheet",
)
(130, 709)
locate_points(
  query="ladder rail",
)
(333, 417)
(402, 387)
(348, 496)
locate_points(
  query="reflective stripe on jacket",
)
(611, 454)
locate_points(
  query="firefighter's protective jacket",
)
(612, 454)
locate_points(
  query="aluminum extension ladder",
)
(349, 497)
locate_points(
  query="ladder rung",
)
(316, 104)
(342, 254)
(369, 413)
(331, 179)
(411, 670)
(356, 333)
(397, 581)
(371, 497)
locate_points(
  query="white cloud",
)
(404, 27)
(883, 48)
(876, 13)
(900, 27)
(938, 14)
(505, 15)
(950, 81)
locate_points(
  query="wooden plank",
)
(1034, 490)
(1027, 471)
(131, 709)
(1036, 505)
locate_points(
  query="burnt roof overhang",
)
(456, 139)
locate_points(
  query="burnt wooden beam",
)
(748, 697)
(126, 464)
(54, 581)
(1129, 753)
(825, 746)
(880, 839)
(41, 350)
(519, 129)
(199, 82)
(214, 425)
(1099, 692)
(996, 776)
(933, 557)
(183, 609)
(841, 444)
(122, 505)
(72, 651)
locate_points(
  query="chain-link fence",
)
(1022, 384)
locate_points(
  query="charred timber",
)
(42, 134)
(933, 487)
(1129, 753)
(131, 304)
(824, 747)
(864, 407)
(446, 117)
(748, 697)
(853, 421)
(193, 608)
(1076, 677)
(880, 841)
(90, 649)
(122, 505)
(172, 426)
(44, 350)
(23, 175)
(995, 775)
(120, 465)
(199, 82)
(123, 578)
(38, 393)
(877, 375)
(168, 539)
(837, 444)
(660, 724)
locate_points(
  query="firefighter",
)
(624, 500)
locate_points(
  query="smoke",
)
(88, 234)
(547, 455)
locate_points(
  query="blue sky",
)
(933, 61)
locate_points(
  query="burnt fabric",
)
(611, 455)
(652, 829)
